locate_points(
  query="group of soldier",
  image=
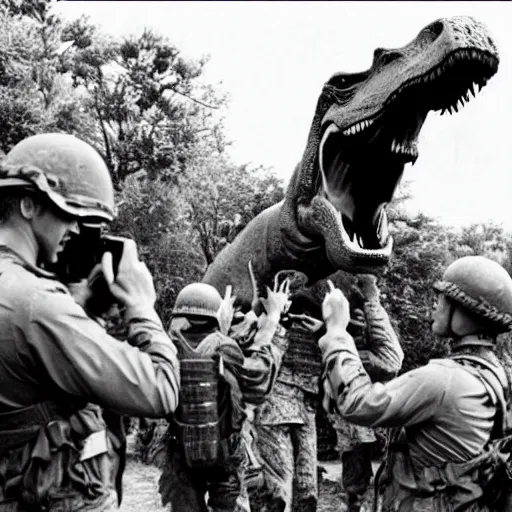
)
(239, 391)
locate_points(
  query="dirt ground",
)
(141, 489)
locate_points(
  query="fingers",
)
(95, 272)
(357, 323)
(357, 291)
(285, 286)
(107, 267)
(129, 252)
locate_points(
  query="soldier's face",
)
(51, 230)
(442, 316)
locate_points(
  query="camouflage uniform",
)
(286, 429)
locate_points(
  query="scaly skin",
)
(364, 131)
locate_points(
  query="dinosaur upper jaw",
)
(360, 163)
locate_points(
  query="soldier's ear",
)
(29, 207)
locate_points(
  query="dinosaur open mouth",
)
(361, 165)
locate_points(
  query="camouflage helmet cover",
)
(197, 299)
(481, 286)
(65, 169)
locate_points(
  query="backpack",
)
(206, 415)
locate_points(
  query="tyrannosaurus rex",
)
(364, 130)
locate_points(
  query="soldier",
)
(382, 357)
(206, 451)
(286, 421)
(59, 367)
(449, 451)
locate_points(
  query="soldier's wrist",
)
(141, 311)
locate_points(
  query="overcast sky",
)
(273, 57)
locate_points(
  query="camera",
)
(84, 250)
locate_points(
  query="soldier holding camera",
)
(59, 368)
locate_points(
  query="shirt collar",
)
(475, 340)
(7, 252)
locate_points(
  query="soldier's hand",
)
(277, 301)
(335, 308)
(367, 286)
(311, 323)
(358, 319)
(226, 311)
(245, 326)
(80, 291)
(133, 286)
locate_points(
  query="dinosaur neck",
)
(301, 187)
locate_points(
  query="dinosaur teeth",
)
(358, 127)
(408, 149)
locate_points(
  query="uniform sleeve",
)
(406, 400)
(138, 378)
(263, 350)
(384, 357)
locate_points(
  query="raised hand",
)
(335, 308)
(277, 301)
(367, 288)
(226, 311)
(133, 286)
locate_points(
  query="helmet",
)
(481, 286)
(198, 299)
(65, 169)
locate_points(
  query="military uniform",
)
(382, 356)
(63, 380)
(447, 413)
(250, 364)
(286, 429)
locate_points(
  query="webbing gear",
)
(197, 416)
(22, 425)
(455, 486)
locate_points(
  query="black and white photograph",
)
(255, 256)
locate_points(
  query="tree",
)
(35, 93)
(155, 214)
(224, 197)
(420, 254)
(152, 112)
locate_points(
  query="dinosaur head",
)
(365, 131)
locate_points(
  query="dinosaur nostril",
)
(436, 28)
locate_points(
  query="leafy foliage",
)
(160, 130)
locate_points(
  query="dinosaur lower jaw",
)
(321, 219)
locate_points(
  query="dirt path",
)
(141, 489)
